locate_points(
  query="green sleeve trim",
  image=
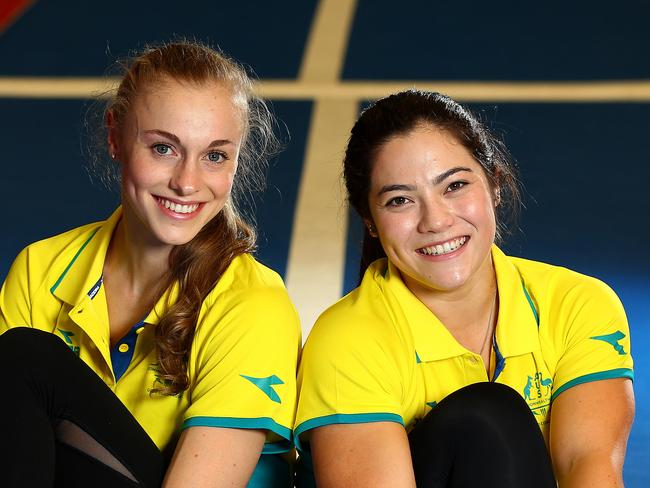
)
(343, 418)
(603, 375)
(65, 271)
(261, 423)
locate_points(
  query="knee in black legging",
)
(483, 434)
(491, 407)
(25, 344)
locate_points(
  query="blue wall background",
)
(585, 166)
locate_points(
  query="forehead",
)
(187, 105)
(424, 152)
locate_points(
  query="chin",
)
(174, 238)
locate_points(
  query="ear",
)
(372, 230)
(112, 136)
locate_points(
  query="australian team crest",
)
(537, 393)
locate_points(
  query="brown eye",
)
(456, 185)
(397, 201)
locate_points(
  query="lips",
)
(443, 247)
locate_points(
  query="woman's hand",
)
(214, 457)
(373, 455)
(590, 424)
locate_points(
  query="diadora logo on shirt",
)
(612, 339)
(67, 337)
(266, 385)
(537, 393)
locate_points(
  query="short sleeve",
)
(348, 374)
(15, 296)
(593, 337)
(243, 364)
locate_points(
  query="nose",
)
(185, 179)
(435, 217)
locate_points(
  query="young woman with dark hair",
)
(451, 364)
(153, 345)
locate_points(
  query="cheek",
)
(139, 170)
(222, 184)
(136, 176)
(394, 228)
(479, 211)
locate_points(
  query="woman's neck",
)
(139, 265)
(463, 307)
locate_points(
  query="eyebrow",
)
(436, 181)
(174, 137)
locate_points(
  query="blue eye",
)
(162, 149)
(216, 157)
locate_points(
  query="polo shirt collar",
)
(86, 266)
(516, 331)
(432, 340)
(517, 328)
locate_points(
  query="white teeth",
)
(444, 248)
(177, 207)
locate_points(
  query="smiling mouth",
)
(444, 248)
(178, 207)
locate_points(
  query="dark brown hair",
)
(399, 114)
(197, 266)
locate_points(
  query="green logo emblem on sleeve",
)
(266, 385)
(612, 340)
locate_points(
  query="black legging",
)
(61, 425)
(481, 435)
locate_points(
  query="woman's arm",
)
(373, 455)
(214, 457)
(590, 424)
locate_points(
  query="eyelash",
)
(224, 157)
(154, 147)
(160, 144)
(452, 187)
(393, 202)
(457, 184)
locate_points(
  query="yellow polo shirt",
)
(380, 355)
(243, 357)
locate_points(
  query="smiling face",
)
(179, 147)
(432, 208)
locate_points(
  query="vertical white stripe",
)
(317, 254)
(328, 40)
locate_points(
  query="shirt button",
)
(473, 360)
(123, 347)
(139, 329)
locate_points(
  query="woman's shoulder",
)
(360, 317)
(53, 254)
(249, 288)
(247, 277)
(69, 241)
(560, 279)
(566, 290)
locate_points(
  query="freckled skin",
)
(426, 213)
